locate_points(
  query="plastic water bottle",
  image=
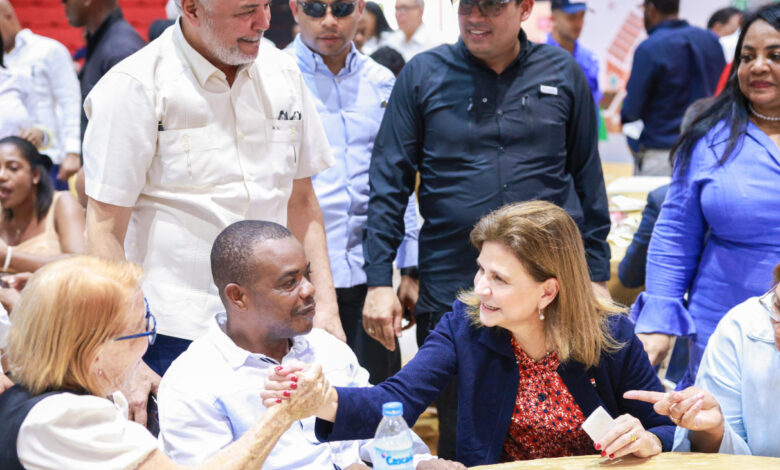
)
(393, 440)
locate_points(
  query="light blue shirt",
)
(741, 368)
(210, 396)
(351, 106)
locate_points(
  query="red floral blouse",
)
(546, 421)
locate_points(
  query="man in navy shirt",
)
(676, 65)
(487, 121)
(109, 40)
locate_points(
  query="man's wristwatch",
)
(411, 272)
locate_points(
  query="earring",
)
(541, 314)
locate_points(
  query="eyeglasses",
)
(318, 9)
(490, 8)
(151, 327)
(769, 302)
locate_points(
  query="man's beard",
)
(226, 54)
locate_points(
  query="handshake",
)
(300, 390)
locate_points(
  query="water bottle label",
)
(397, 459)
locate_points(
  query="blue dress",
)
(717, 238)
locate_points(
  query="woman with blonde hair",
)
(534, 350)
(79, 331)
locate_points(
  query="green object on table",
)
(602, 127)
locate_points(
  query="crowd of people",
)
(200, 269)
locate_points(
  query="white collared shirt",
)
(56, 92)
(15, 104)
(191, 154)
(422, 40)
(210, 396)
(741, 369)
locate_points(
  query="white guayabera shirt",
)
(169, 137)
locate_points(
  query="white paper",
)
(633, 129)
(598, 424)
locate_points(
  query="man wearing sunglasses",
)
(489, 120)
(351, 92)
(186, 136)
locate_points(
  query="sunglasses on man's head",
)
(490, 8)
(318, 9)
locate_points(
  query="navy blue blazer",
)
(488, 380)
(631, 270)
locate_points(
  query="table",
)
(666, 460)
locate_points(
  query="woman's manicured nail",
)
(286, 393)
(279, 400)
(603, 454)
(277, 369)
(293, 385)
(294, 378)
(611, 456)
(597, 446)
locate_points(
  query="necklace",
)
(761, 116)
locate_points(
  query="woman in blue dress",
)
(718, 234)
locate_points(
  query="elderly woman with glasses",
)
(79, 331)
(732, 407)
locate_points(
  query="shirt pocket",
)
(537, 126)
(195, 157)
(283, 143)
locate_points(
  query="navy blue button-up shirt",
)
(114, 40)
(481, 140)
(675, 66)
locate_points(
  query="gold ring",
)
(633, 437)
(370, 331)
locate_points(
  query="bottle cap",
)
(393, 408)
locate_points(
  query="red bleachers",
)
(47, 18)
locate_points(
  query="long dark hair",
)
(44, 191)
(731, 105)
(381, 21)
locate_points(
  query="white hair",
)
(173, 7)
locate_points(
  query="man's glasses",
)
(318, 9)
(769, 302)
(151, 327)
(491, 8)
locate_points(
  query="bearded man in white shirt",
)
(56, 93)
(209, 396)
(186, 136)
